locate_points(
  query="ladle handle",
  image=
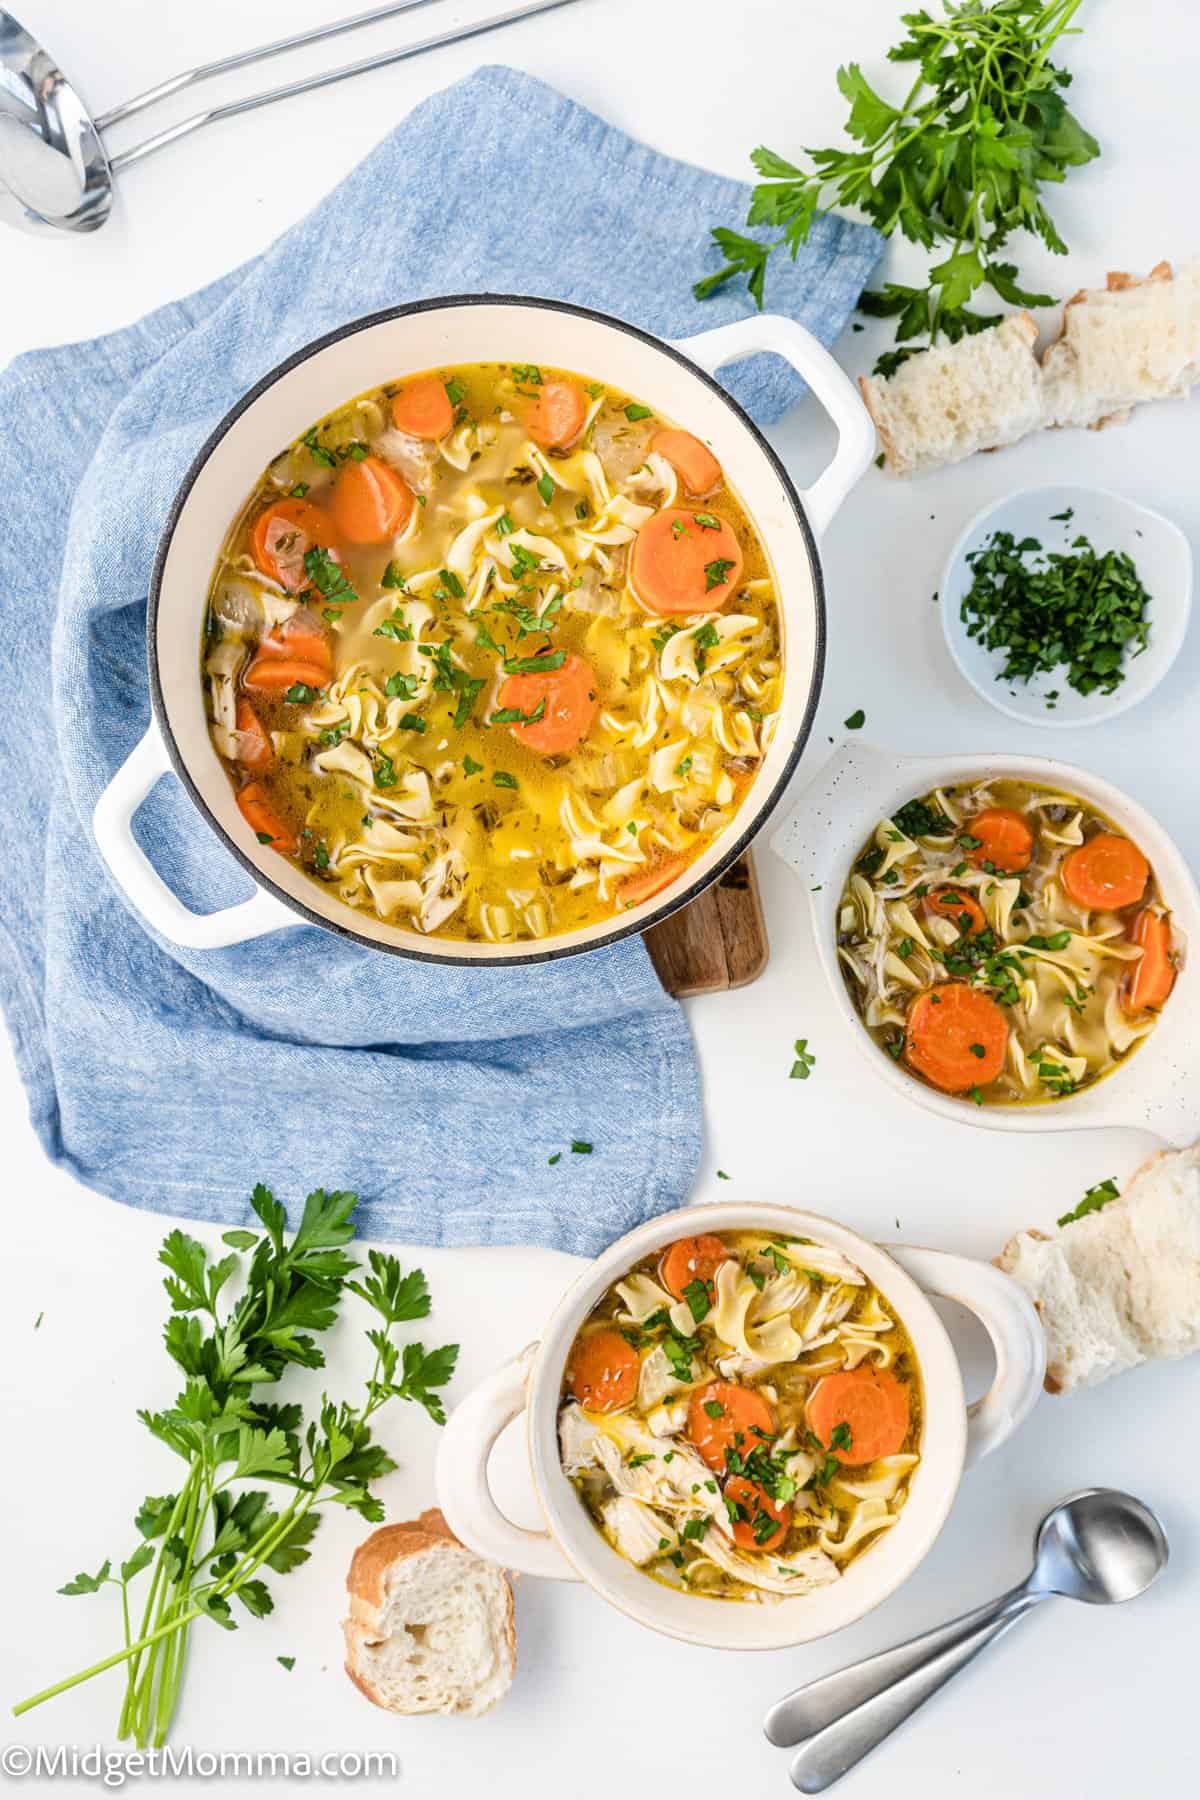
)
(252, 102)
(847, 1715)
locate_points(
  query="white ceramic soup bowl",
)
(676, 379)
(953, 1435)
(1154, 1088)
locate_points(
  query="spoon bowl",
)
(1099, 1546)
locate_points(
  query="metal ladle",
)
(56, 172)
(1100, 1546)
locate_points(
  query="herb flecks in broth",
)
(493, 652)
(1005, 942)
(741, 1415)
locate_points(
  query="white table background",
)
(1101, 1704)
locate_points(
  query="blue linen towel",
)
(172, 1079)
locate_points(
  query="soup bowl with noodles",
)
(1007, 936)
(745, 1423)
(507, 652)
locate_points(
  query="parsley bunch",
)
(956, 164)
(208, 1543)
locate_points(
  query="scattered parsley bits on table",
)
(1092, 1201)
(856, 721)
(802, 1068)
(1081, 609)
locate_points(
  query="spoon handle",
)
(862, 1705)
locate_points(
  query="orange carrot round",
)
(691, 1259)
(724, 1417)
(755, 1507)
(961, 908)
(255, 807)
(1106, 873)
(276, 674)
(302, 638)
(371, 503)
(602, 1371)
(872, 1407)
(255, 750)
(1005, 839)
(556, 416)
(679, 566)
(956, 1037)
(423, 409)
(1148, 984)
(633, 889)
(692, 461)
(281, 536)
(569, 699)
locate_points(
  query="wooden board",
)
(718, 942)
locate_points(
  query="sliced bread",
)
(943, 405)
(1121, 344)
(1120, 1286)
(431, 1624)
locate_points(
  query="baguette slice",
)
(1121, 344)
(1121, 1286)
(946, 403)
(431, 1624)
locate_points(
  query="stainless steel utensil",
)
(1100, 1546)
(56, 171)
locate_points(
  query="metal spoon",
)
(1099, 1546)
(56, 171)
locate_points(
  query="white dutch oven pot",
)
(674, 378)
(953, 1437)
(1154, 1089)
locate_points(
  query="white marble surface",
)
(1100, 1703)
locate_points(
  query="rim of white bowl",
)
(1111, 706)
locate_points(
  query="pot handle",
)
(831, 385)
(1008, 1316)
(139, 880)
(463, 1490)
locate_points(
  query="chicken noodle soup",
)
(1005, 942)
(741, 1415)
(494, 652)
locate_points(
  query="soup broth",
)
(1005, 942)
(494, 652)
(742, 1415)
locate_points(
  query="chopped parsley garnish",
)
(706, 638)
(449, 679)
(318, 452)
(856, 721)
(392, 578)
(840, 1437)
(697, 1296)
(401, 687)
(396, 628)
(298, 491)
(716, 573)
(385, 771)
(1082, 609)
(524, 562)
(707, 521)
(682, 767)
(917, 819)
(545, 488)
(502, 778)
(581, 1147)
(527, 373)
(456, 390)
(1092, 1201)
(534, 665)
(321, 856)
(504, 525)
(300, 694)
(582, 509)
(634, 411)
(449, 586)
(512, 715)
(327, 576)
(413, 722)
(471, 767)
(802, 1068)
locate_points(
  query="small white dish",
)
(1163, 558)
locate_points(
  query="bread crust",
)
(366, 1584)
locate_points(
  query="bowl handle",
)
(1008, 1316)
(464, 1492)
(831, 385)
(140, 881)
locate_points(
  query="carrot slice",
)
(423, 409)
(301, 638)
(371, 503)
(961, 908)
(556, 416)
(569, 699)
(692, 461)
(1005, 839)
(691, 1259)
(723, 1417)
(681, 567)
(1148, 985)
(602, 1371)
(1106, 873)
(281, 536)
(633, 889)
(956, 1037)
(275, 675)
(871, 1407)
(756, 1510)
(263, 820)
(255, 750)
